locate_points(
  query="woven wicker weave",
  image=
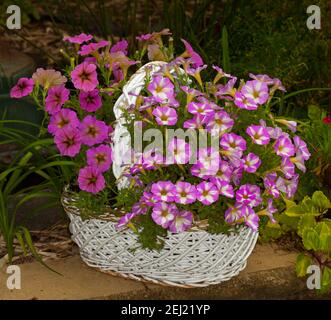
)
(194, 258)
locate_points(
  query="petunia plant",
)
(219, 159)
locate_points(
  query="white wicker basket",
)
(194, 258)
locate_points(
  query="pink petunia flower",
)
(48, 78)
(289, 187)
(121, 46)
(284, 147)
(149, 199)
(164, 213)
(301, 148)
(92, 47)
(165, 116)
(56, 97)
(100, 157)
(243, 102)
(68, 141)
(233, 214)
(227, 91)
(209, 158)
(224, 171)
(124, 220)
(220, 121)
(288, 168)
(251, 162)
(249, 195)
(78, 39)
(262, 78)
(182, 222)
(93, 131)
(251, 218)
(151, 159)
(259, 134)
(22, 89)
(90, 101)
(164, 191)
(140, 207)
(185, 193)
(84, 76)
(203, 109)
(162, 89)
(270, 211)
(292, 125)
(63, 119)
(194, 57)
(178, 151)
(224, 187)
(233, 142)
(270, 184)
(90, 179)
(207, 193)
(255, 90)
(197, 122)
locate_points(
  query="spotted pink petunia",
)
(84, 76)
(65, 118)
(68, 141)
(90, 101)
(90, 179)
(92, 47)
(99, 157)
(56, 97)
(93, 131)
(23, 88)
(78, 39)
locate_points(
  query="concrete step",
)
(269, 275)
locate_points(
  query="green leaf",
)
(321, 201)
(326, 279)
(324, 233)
(303, 262)
(310, 239)
(314, 112)
(306, 221)
(294, 211)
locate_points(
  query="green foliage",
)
(151, 236)
(34, 157)
(318, 136)
(314, 229)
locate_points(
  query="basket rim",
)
(69, 200)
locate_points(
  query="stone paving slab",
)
(269, 275)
